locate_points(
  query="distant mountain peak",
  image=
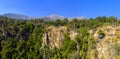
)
(17, 16)
(53, 17)
(81, 17)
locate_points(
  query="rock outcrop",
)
(107, 46)
(54, 36)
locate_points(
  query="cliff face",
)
(55, 36)
(109, 45)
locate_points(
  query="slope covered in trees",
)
(24, 39)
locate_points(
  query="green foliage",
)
(22, 39)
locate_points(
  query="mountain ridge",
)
(51, 17)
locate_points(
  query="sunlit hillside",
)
(93, 38)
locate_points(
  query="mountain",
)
(52, 17)
(55, 17)
(45, 18)
(80, 18)
(17, 16)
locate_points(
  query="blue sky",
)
(67, 8)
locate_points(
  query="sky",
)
(66, 8)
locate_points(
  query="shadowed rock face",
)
(101, 36)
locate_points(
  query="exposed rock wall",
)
(107, 46)
(54, 36)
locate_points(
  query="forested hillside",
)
(60, 39)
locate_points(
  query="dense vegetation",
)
(22, 39)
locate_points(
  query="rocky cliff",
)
(109, 45)
(54, 36)
(107, 39)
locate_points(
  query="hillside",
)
(94, 38)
